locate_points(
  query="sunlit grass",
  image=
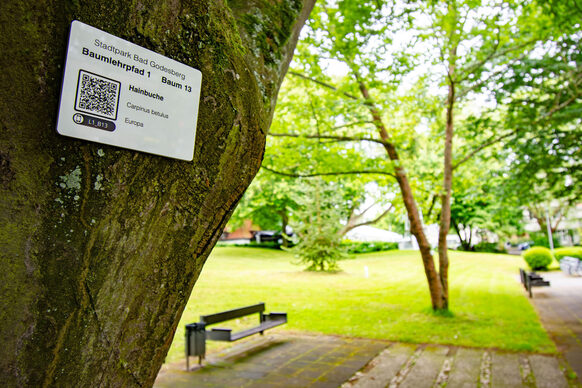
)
(488, 305)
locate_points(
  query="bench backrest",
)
(569, 260)
(232, 314)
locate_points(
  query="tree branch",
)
(335, 173)
(558, 107)
(351, 226)
(466, 91)
(492, 140)
(352, 124)
(321, 83)
(494, 54)
(432, 203)
(329, 137)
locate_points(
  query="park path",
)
(284, 360)
(560, 310)
(298, 360)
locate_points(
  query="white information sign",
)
(118, 93)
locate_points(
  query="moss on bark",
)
(101, 246)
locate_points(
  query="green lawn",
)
(488, 303)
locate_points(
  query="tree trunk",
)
(539, 213)
(432, 277)
(284, 224)
(101, 246)
(464, 243)
(445, 219)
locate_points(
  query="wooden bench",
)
(197, 334)
(571, 265)
(532, 279)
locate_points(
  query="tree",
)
(544, 97)
(317, 226)
(101, 246)
(461, 48)
(268, 202)
(479, 202)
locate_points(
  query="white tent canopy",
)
(369, 233)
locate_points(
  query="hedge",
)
(560, 253)
(354, 247)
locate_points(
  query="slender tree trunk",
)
(101, 246)
(354, 220)
(433, 279)
(284, 224)
(539, 213)
(445, 219)
(464, 243)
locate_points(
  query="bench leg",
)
(528, 285)
(187, 349)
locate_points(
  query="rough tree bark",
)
(101, 246)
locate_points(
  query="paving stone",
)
(574, 358)
(297, 361)
(275, 380)
(547, 372)
(250, 374)
(426, 368)
(466, 368)
(336, 376)
(324, 384)
(384, 367)
(505, 371)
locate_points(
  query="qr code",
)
(97, 95)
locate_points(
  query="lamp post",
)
(549, 227)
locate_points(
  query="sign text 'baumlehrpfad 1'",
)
(118, 93)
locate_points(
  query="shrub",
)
(354, 247)
(538, 257)
(540, 239)
(560, 253)
(489, 247)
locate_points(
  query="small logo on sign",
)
(78, 118)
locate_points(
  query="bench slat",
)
(263, 326)
(232, 314)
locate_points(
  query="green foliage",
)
(490, 247)
(478, 203)
(543, 106)
(560, 253)
(354, 247)
(267, 202)
(317, 241)
(538, 258)
(540, 239)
